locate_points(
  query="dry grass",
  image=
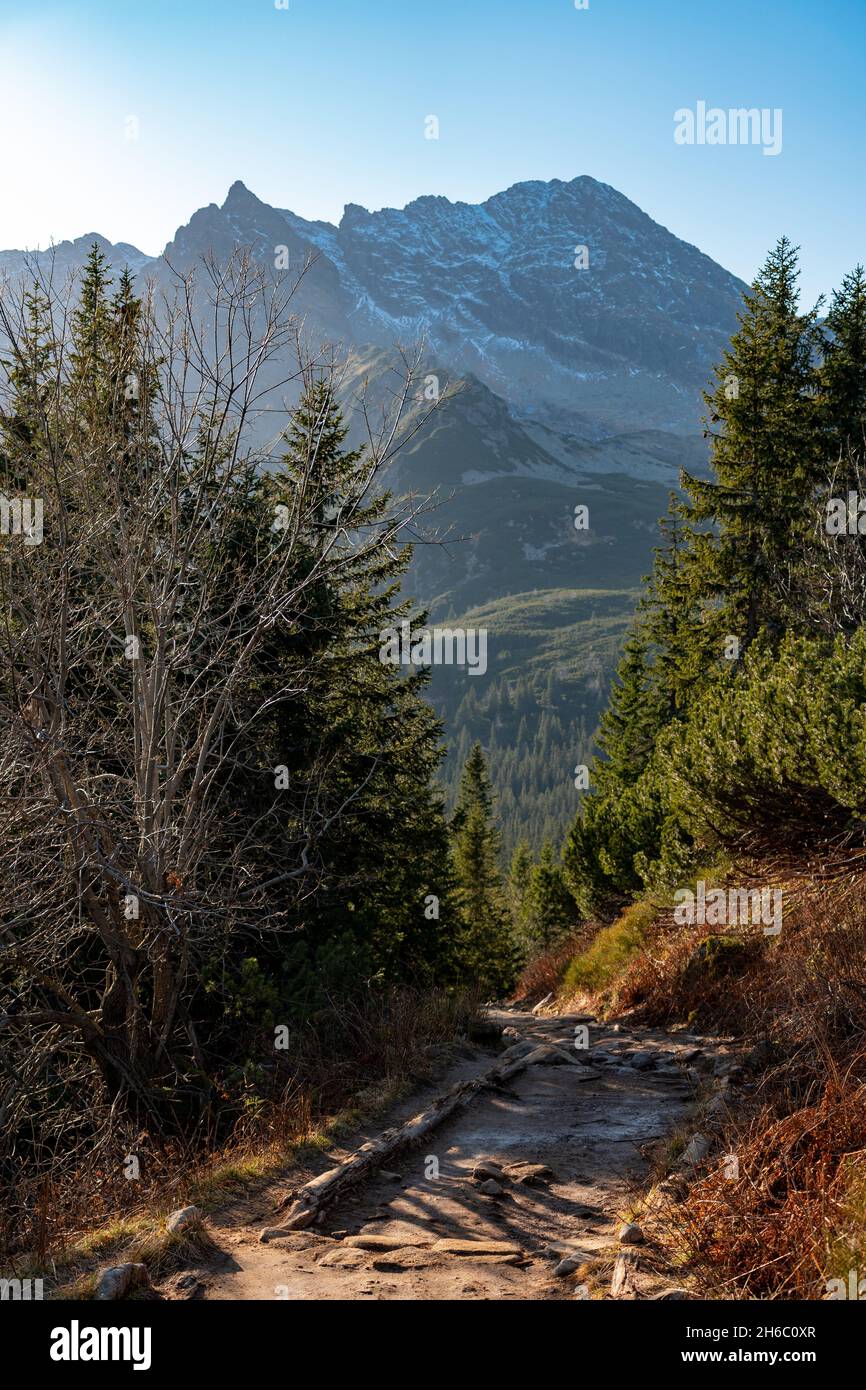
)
(346, 1069)
(794, 1215)
(544, 974)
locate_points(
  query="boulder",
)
(185, 1219)
(119, 1280)
(630, 1234)
(697, 1149)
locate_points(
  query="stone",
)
(188, 1286)
(696, 1150)
(717, 1109)
(119, 1280)
(398, 1261)
(492, 1188)
(510, 1034)
(518, 1260)
(630, 1234)
(399, 1241)
(530, 1173)
(456, 1246)
(485, 1030)
(185, 1219)
(517, 1050)
(552, 1056)
(297, 1221)
(642, 1061)
(487, 1168)
(341, 1258)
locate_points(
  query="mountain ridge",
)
(494, 290)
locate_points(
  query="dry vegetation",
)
(544, 974)
(359, 1058)
(794, 1217)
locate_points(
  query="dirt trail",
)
(592, 1124)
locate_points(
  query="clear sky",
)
(124, 116)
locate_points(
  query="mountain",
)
(66, 257)
(493, 290)
(625, 344)
(577, 387)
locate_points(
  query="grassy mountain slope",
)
(551, 655)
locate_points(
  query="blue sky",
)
(325, 103)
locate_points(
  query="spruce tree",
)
(27, 422)
(91, 385)
(633, 717)
(487, 949)
(765, 460)
(359, 742)
(551, 911)
(843, 371)
(517, 886)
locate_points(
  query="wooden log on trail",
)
(320, 1192)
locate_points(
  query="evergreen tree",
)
(487, 948)
(517, 887)
(550, 911)
(27, 422)
(633, 717)
(723, 569)
(765, 460)
(361, 733)
(843, 371)
(92, 385)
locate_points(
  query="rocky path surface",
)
(523, 1194)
